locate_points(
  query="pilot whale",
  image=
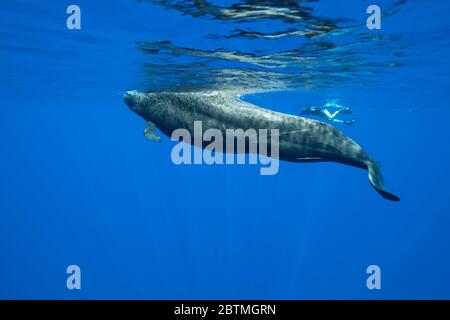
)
(300, 139)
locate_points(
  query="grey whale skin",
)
(300, 139)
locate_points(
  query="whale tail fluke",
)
(376, 179)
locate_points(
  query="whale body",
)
(300, 139)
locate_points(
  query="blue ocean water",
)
(80, 185)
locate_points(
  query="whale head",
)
(134, 100)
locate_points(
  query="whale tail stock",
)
(376, 179)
